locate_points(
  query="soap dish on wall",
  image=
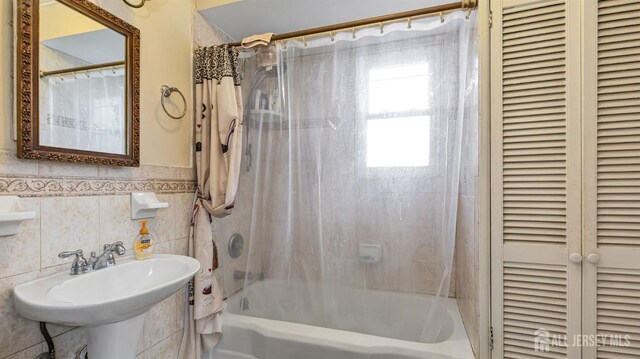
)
(369, 253)
(11, 215)
(145, 205)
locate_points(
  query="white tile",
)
(29, 353)
(119, 172)
(56, 330)
(163, 225)
(160, 322)
(182, 246)
(181, 297)
(144, 171)
(115, 221)
(63, 267)
(186, 173)
(10, 164)
(168, 247)
(167, 348)
(426, 277)
(159, 172)
(70, 343)
(63, 169)
(183, 210)
(420, 244)
(21, 252)
(67, 224)
(421, 209)
(16, 333)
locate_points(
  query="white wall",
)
(166, 57)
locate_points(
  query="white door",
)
(536, 177)
(611, 125)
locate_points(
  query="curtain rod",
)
(464, 4)
(82, 68)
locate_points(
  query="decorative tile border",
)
(29, 178)
(64, 186)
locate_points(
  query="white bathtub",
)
(265, 332)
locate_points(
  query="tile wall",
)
(467, 236)
(84, 207)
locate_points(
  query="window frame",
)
(379, 56)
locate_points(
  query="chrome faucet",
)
(80, 264)
(106, 259)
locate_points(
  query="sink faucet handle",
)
(117, 247)
(77, 253)
(79, 265)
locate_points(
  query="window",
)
(398, 129)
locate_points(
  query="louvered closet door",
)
(536, 189)
(612, 175)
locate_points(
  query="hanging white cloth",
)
(218, 155)
(84, 111)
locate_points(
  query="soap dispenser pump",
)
(143, 245)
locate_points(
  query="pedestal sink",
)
(110, 302)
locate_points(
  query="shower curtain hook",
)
(441, 17)
(304, 41)
(409, 23)
(333, 38)
(353, 31)
(468, 14)
(382, 27)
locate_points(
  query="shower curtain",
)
(84, 111)
(352, 183)
(217, 150)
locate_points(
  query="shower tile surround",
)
(409, 260)
(86, 206)
(467, 237)
(408, 239)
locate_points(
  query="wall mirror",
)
(77, 83)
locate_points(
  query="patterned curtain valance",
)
(216, 62)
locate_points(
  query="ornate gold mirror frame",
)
(27, 86)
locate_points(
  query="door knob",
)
(593, 258)
(575, 258)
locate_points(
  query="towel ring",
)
(166, 92)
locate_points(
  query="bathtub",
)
(253, 329)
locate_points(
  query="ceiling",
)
(244, 18)
(94, 47)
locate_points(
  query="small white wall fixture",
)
(12, 214)
(145, 205)
(370, 253)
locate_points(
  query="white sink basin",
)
(111, 302)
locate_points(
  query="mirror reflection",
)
(83, 91)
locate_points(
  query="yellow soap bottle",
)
(143, 245)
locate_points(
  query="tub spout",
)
(240, 275)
